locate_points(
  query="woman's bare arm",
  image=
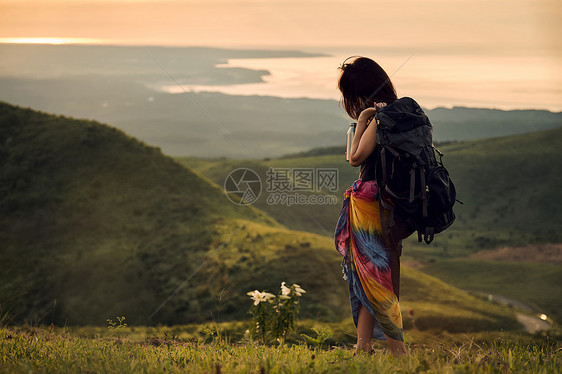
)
(364, 141)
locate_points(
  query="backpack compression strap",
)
(424, 191)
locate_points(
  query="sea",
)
(435, 78)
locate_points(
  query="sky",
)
(505, 41)
(510, 25)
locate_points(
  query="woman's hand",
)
(369, 113)
(366, 114)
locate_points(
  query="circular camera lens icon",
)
(242, 186)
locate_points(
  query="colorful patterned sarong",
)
(366, 263)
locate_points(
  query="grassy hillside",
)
(95, 225)
(260, 256)
(318, 218)
(461, 123)
(510, 187)
(97, 221)
(536, 284)
(182, 349)
(512, 192)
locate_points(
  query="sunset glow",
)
(50, 40)
(495, 53)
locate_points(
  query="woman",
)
(370, 259)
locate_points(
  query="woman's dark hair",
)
(362, 83)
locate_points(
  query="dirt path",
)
(532, 324)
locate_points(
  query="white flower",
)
(285, 290)
(259, 297)
(268, 296)
(298, 290)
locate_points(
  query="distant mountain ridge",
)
(214, 124)
(122, 86)
(462, 123)
(190, 65)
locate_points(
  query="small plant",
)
(322, 334)
(4, 317)
(210, 333)
(120, 324)
(275, 314)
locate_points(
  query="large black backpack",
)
(409, 174)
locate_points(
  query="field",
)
(193, 349)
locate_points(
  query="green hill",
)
(512, 190)
(510, 187)
(94, 224)
(98, 221)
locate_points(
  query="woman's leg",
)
(396, 347)
(395, 252)
(365, 325)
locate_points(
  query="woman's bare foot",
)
(396, 347)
